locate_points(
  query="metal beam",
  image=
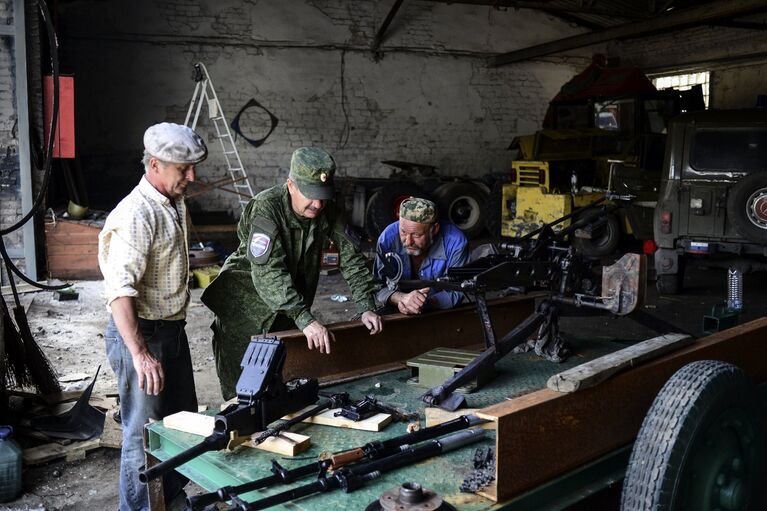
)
(356, 353)
(749, 25)
(22, 112)
(382, 31)
(545, 5)
(670, 20)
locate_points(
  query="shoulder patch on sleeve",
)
(261, 239)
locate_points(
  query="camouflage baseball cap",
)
(418, 210)
(312, 169)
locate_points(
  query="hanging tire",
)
(383, 206)
(604, 239)
(747, 207)
(700, 446)
(463, 205)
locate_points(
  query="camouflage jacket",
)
(276, 267)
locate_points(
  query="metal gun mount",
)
(542, 260)
(262, 398)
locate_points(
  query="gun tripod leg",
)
(548, 343)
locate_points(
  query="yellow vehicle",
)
(605, 130)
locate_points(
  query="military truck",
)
(713, 194)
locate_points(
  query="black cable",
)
(343, 139)
(54, 47)
(12, 268)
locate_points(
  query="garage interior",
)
(455, 101)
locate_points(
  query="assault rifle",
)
(262, 398)
(543, 260)
(354, 477)
(376, 449)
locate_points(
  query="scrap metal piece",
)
(411, 496)
(624, 283)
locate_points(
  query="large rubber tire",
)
(747, 207)
(700, 446)
(493, 209)
(463, 205)
(604, 240)
(383, 206)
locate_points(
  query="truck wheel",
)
(604, 240)
(747, 207)
(700, 445)
(493, 210)
(463, 205)
(383, 206)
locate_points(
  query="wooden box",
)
(72, 248)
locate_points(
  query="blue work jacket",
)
(449, 249)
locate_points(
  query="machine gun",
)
(543, 260)
(376, 449)
(262, 398)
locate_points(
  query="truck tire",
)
(383, 206)
(463, 205)
(747, 207)
(604, 240)
(493, 209)
(700, 446)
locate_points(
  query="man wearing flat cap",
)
(143, 255)
(268, 284)
(427, 248)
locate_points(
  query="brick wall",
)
(427, 97)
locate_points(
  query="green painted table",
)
(517, 374)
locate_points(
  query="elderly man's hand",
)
(372, 321)
(318, 336)
(413, 302)
(149, 370)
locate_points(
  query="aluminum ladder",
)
(205, 93)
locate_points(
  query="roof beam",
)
(546, 5)
(670, 20)
(385, 25)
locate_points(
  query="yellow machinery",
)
(529, 200)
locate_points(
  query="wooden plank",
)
(21, 287)
(545, 434)
(598, 370)
(435, 416)
(112, 436)
(355, 352)
(190, 422)
(70, 249)
(53, 451)
(376, 422)
(286, 444)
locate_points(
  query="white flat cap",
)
(174, 143)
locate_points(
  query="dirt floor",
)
(71, 333)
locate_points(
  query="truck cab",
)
(713, 192)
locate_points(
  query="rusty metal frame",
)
(355, 353)
(545, 434)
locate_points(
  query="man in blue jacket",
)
(427, 249)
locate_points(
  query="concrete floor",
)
(71, 333)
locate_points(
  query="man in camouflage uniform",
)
(427, 249)
(268, 283)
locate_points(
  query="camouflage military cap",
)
(312, 169)
(418, 210)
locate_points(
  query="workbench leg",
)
(155, 490)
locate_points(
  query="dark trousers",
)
(167, 341)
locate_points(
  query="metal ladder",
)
(203, 90)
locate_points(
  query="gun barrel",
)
(213, 442)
